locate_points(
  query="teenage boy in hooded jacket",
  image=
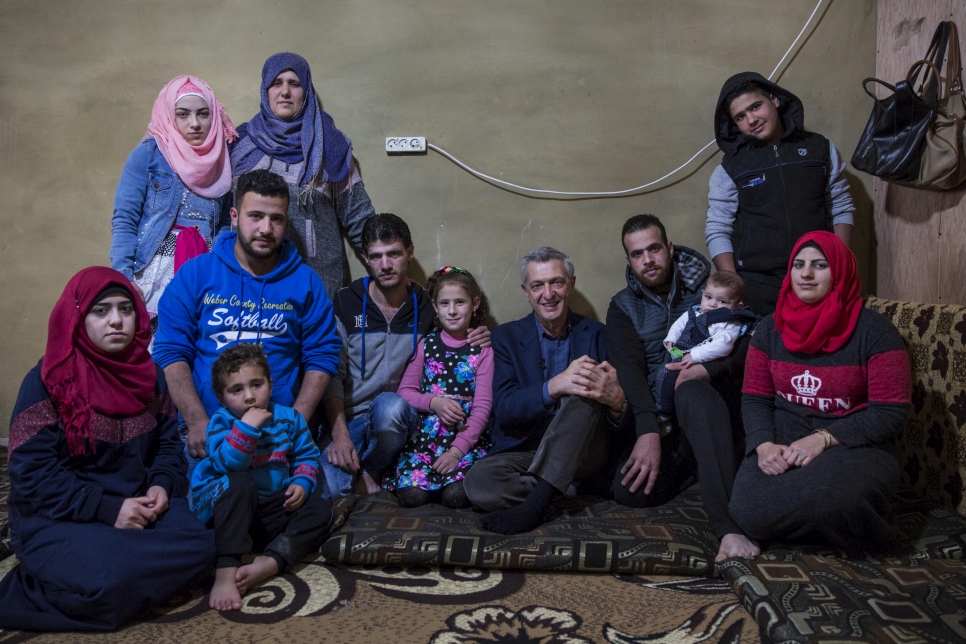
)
(775, 183)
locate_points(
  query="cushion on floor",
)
(798, 597)
(588, 535)
(928, 530)
(5, 548)
(916, 592)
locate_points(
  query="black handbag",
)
(891, 145)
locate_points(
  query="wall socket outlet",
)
(404, 144)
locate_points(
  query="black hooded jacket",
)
(781, 189)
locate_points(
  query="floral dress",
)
(450, 373)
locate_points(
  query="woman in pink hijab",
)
(174, 194)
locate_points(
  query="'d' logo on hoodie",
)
(359, 322)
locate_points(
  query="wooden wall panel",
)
(920, 234)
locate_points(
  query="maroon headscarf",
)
(827, 324)
(80, 378)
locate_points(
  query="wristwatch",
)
(622, 409)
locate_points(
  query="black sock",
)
(524, 517)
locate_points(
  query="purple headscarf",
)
(300, 139)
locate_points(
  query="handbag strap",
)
(932, 72)
(928, 89)
(865, 86)
(954, 65)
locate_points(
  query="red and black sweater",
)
(860, 393)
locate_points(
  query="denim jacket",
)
(146, 204)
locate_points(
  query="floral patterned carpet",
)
(323, 603)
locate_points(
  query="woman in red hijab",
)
(97, 472)
(826, 393)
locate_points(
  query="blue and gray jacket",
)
(375, 351)
(762, 198)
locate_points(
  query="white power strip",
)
(405, 144)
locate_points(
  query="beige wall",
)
(561, 94)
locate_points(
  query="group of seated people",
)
(195, 407)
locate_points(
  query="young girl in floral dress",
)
(451, 383)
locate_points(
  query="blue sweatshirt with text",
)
(213, 303)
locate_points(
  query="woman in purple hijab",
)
(292, 137)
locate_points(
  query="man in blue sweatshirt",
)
(252, 288)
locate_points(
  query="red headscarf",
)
(827, 324)
(80, 378)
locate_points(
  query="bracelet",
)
(825, 437)
(455, 453)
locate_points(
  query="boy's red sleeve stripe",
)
(758, 380)
(306, 470)
(890, 380)
(241, 442)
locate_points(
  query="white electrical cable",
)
(555, 192)
(629, 190)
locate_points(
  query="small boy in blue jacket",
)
(260, 477)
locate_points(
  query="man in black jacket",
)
(662, 282)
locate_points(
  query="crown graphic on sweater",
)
(806, 384)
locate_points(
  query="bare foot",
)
(224, 594)
(736, 545)
(365, 484)
(249, 576)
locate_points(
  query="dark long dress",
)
(860, 394)
(77, 571)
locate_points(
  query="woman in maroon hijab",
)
(97, 472)
(827, 388)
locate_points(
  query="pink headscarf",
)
(205, 169)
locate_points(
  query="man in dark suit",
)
(552, 390)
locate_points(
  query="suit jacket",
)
(520, 416)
